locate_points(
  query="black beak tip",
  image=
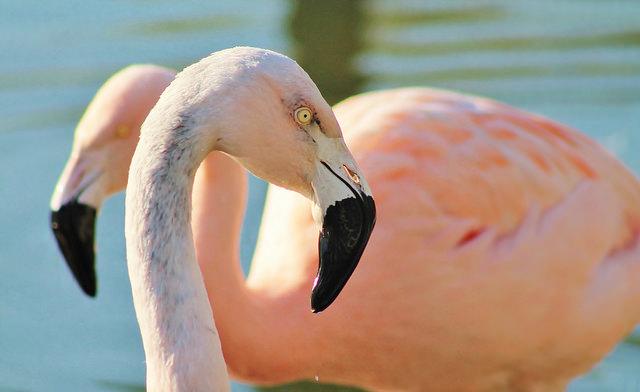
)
(89, 286)
(73, 226)
(320, 302)
(347, 226)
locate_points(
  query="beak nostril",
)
(353, 175)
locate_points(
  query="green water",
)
(575, 61)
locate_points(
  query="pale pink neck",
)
(219, 199)
(253, 327)
(181, 344)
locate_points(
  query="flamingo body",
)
(505, 256)
(509, 259)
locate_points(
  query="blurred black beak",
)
(73, 225)
(346, 228)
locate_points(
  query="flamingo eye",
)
(122, 131)
(303, 115)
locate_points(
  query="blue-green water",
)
(576, 61)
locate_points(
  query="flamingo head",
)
(103, 146)
(262, 109)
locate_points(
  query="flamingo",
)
(289, 137)
(103, 146)
(505, 255)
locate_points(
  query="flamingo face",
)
(104, 142)
(94, 171)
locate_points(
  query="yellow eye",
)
(303, 115)
(122, 131)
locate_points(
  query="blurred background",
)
(576, 61)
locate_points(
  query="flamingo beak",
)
(73, 226)
(73, 219)
(349, 215)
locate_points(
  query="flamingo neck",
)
(255, 325)
(219, 201)
(180, 339)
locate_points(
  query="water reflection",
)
(189, 24)
(327, 37)
(525, 53)
(407, 16)
(527, 43)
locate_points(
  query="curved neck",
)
(180, 340)
(255, 325)
(219, 200)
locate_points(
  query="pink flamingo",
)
(505, 257)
